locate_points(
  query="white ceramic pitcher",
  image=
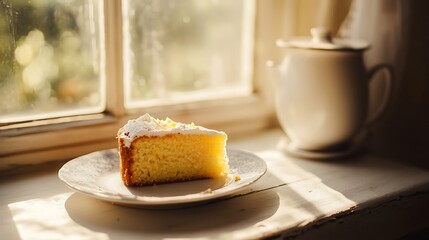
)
(323, 90)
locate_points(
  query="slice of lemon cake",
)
(156, 151)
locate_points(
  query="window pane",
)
(183, 50)
(51, 58)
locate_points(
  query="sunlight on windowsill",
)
(46, 218)
(305, 198)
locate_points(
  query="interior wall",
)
(398, 34)
(404, 132)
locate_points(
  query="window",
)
(73, 72)
(186, 50)
(52, 59)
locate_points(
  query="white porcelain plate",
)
(97, 175)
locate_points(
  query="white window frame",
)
(64, 138)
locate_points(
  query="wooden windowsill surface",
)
(359, 198)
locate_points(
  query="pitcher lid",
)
(322, 39)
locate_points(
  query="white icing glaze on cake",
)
(152, 127)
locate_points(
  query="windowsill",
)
(362, 197)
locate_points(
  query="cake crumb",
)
(237, 178)
(209, 190)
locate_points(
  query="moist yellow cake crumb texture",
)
(178, 158)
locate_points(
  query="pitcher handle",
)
(389, 80)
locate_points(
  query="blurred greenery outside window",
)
(51, 59)
(52, 54)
